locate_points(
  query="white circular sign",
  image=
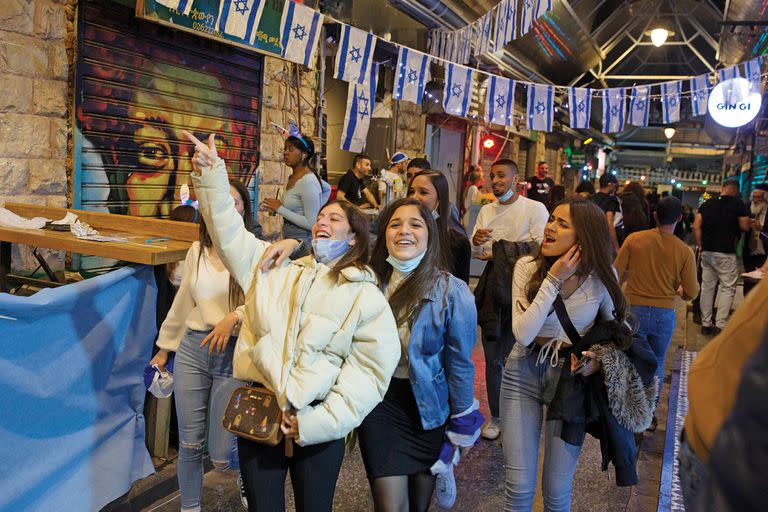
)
(734, 102)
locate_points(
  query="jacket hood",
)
(352, 274)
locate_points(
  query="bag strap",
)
(565, 320)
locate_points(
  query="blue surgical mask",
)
(405, 266)
(507, 195)
(327, 250)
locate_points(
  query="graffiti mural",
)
(138, 86)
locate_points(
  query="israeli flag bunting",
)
(240, 18)
(457, 91)
(532, 11)
(541, 103)
(580, 106)
(500, 101)
(639, 105)
(699, 95)
(357, 119)
(614, 110)
(299, 33)
(752, 73)
(411, 75)
(183, 6)
(506, 21)
(670, 101)
(353, 60)
(485, 27)
(728, 73)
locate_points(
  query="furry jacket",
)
(611, 405)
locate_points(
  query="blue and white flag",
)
(411, 75)
(357, 119)
(541, 107)
(300, 33)
(464, 42)
(699, 95)
(670, 101)
(457, 91)
(580, 106)
(183, 6)
(532, 11)
(728, 73)
(639, 105)
(752, 73)
(506, 22)
(500, 101)
(483, 34)
(353, 60)
(614, 110)
(240, 18)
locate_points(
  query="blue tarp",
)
(72, 394)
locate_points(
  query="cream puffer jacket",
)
(306, 335)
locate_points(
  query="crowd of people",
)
(372, 333)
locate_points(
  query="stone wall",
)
(410, 129)
(36, 52)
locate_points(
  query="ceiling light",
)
(669, 132)
(659, 36)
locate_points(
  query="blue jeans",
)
(656, 326)
(202, 385)
(525, 389)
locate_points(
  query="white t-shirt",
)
(521, 221)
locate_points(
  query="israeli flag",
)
(541, 107)
(484, 29)
(299, 33)
(532, 11)
(353, 60)
(500, 101)
(752, 73)
(580, 106)
(506, 21)
(639, 105)
(699, 94)
(670, 101)
(357, 119)
(614, 110)
(457, 91)
(240, 18)
(728, 73)
(183, 6)
(411, 75)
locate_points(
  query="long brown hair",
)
(358, 255)
(440, 183)
(410, 292)
(597, 253)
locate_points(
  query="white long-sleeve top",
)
(201, 302)
(538, 318)
(522, 221)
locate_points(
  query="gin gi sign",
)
(734, 102)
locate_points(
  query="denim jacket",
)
(443, 334)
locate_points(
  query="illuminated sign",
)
(734, 102)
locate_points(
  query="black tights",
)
(403, 493)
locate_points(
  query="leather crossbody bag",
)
(254, 414)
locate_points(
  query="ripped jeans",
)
(203, 384)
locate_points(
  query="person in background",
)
(585, 189)
(433, 385)
(756, 243)
(656, 266)
(634, 208)
(430, 188)
(540, 184)
(466, 183)
(416, 165)
(353, 187)
(202, 327)
(318, 333)
(304, 194)
(718, 225)
(708, 448)
(395, 178)
(556, 196)
(472, 196)
(606, 199)
(512, 218)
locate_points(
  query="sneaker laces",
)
(551, 350)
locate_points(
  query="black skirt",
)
(392, 440)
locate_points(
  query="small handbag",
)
(254, 414)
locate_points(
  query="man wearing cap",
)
(606, 199)
(757, 237)
(395, 177)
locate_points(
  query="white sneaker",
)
(243, 496)
(491, 430)
(445, 489)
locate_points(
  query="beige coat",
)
(307, 336)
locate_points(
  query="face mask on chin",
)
(506, 196)
(405, 266)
